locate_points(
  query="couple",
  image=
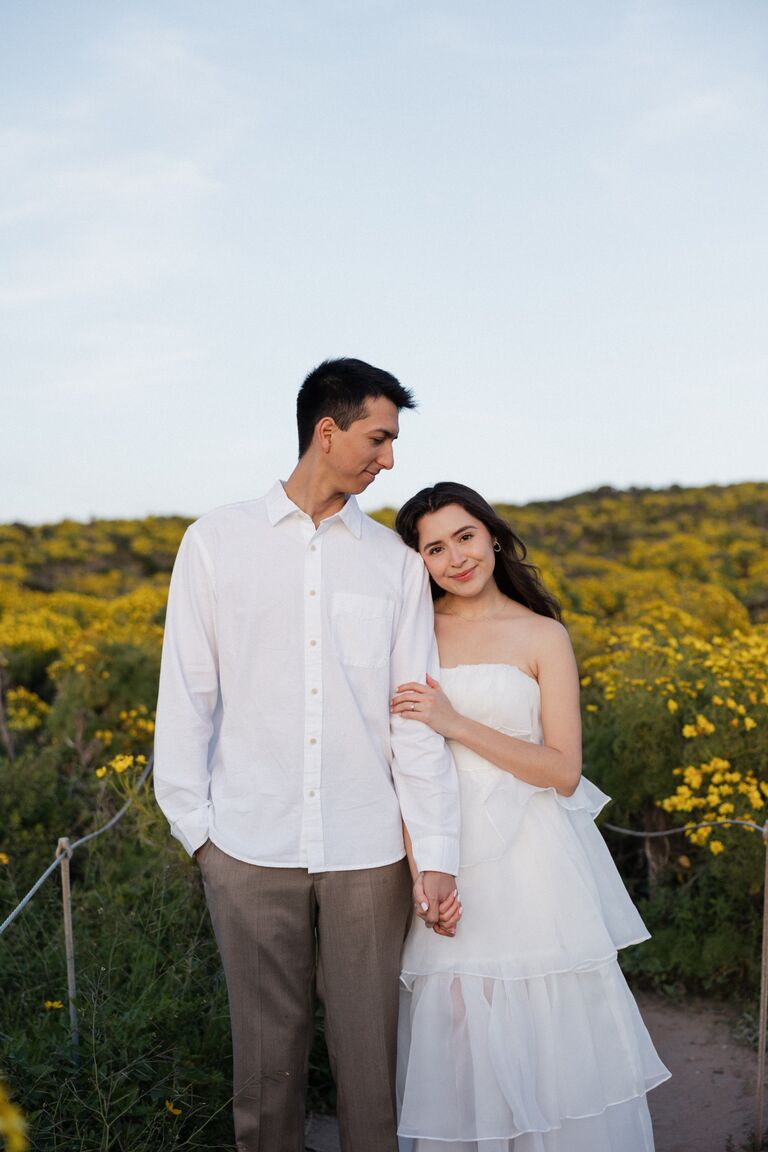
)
(300, 744)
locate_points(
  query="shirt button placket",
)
(313, 709)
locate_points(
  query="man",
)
(291, 621)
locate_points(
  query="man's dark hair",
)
(339, 389)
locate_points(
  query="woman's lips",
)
(462, 576)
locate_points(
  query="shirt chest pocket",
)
(361, 628)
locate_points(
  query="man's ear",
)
(324, 430)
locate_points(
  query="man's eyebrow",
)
(458, 532)
(384, 432)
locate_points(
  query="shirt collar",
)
(280, 505)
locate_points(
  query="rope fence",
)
(65, 850)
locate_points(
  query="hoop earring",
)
(496, 546)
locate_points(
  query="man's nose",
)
(386, 457)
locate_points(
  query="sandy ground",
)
(711, 1095)
(710, 1098)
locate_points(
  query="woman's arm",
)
(554, 764)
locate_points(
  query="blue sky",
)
(547, 219)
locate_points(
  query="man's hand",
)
(437, 889)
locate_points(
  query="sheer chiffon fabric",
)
(520, 1033)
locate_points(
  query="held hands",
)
(436, 902)
(427, 703)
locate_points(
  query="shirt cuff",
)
(436, 854)
(192, 829)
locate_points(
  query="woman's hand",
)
(449, 909)
(427, 703)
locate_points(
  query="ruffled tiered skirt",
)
(520, 1034)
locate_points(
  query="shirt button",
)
(312, 740)
(312, 592)
(313, 643)
(311, 793)
(313, 548)
(314, 691)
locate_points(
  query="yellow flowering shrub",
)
(665, 595)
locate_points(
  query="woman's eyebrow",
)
(458, 532)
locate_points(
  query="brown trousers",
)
(282, 933)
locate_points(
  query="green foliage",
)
(706, 928)
(152, 1007)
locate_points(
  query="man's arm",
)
(422, 766)
(189, 691)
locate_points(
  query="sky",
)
(548, 219)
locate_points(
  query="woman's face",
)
(457, 550)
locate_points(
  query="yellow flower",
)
(684, 861)
(120, 763)
(591, 707)
(4, 858)
(672, 705)
(749, 723)
(716, 846)
(689, 731)
(101, 772)
(52, 1005)
(26, 711)
(172, 1109)
(12, 1126)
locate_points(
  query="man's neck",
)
(313, 493)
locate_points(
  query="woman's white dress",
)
(520, 1034)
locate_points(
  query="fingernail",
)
(424, 906)
(455, 892)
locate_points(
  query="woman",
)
(518, 1033)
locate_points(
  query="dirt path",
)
(710, 1098)
(711, 1095)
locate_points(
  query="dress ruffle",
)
(492, 1060)
(503, 800)
(621, 1128)
(552, 902)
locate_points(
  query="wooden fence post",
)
(63, 851)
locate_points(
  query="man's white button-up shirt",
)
(283, 645)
